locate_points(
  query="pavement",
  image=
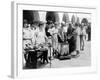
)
(84, 59)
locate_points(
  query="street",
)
(84, 59)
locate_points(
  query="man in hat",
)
(77, 33)
(61, 37)
(82, 37)
(27, 40)
(65, 27)
(41, 39)
(40, 34)
(49, 31)
(70, 38)
(55, 38)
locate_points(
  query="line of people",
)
(59, 39)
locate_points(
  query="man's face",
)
(82, 24)
(32, 26)
(43, 25)
(25, 25)
(56, 25)
(85, 24)
(35, 26)
(50, 25)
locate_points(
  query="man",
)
(83, 36)
(71, 39)
(27, 40)
(61, 38)
(35, 29)
(77, 32)
(89, 31)
(48, 31)
(41, 41)
(54, 34)
(65, 27)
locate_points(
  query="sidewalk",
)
(83, 60)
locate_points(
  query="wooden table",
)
(35, 54)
